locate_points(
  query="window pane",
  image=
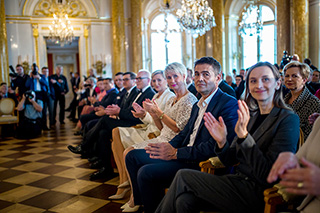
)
(172, 22)
(267, 44)
(249, 50)
(174, 47)
(158, 51)
(158, 45)
(266, 13)
(158, 23)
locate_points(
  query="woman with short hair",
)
(300, 99)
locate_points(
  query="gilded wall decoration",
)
(73, 8)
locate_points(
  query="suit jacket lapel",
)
(266, 124)
(214, 101)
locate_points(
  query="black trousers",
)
(84, 119)
(48, 104)
(62, 103)
(194, 191)
(150, 177)
(98, 137)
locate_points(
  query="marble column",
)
(136, 35)
(201, 46)
(217, 31)
(283, 28)
(300, 28)
(118, 33)
(4, 61)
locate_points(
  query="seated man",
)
(101, 133)
(99, 106)
(30, 123)
(153, 169)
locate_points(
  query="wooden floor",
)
(41, 175)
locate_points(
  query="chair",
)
(273, 197)
(7, 112)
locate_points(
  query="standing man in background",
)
(60, 85)
(48, 102)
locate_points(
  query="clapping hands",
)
(151, 106)
(243, 120)
(138, 111)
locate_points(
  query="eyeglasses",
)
(140, 78)
(127, 79)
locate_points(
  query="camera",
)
(29, 94)
(34, 69)
(12, 73)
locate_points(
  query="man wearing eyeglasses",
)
(117, 116)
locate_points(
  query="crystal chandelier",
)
(61, 31)
(196, 17)
(251, 22)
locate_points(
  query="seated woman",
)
(123, 137)
(172, 119)
(300, 173)
(272, 128)
(300, 98)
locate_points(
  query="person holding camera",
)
(37, 83)
(30, 123)
(18, 80)
(61, 88)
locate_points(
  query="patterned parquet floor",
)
(41, 175)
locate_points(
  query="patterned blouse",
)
(304, 106)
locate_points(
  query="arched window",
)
(261, 47)
(166, 41)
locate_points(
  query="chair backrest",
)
(7, 106)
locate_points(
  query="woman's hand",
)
(285, 161)
(151, 106)
(138, 112)
(243, 120)
(312, 118)
(302, 180)
(217, 129)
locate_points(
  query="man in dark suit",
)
(125, 119)
(109, 99)
(75, 82)
(19, 81)
(37, 83)
(153, 169)
(190, 84)
(48, 103)
(61, 88)
(226, 88)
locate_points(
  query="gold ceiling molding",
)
(77, 8)
(73, 8)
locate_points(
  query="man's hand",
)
(60, 81)
(163, 151)
(53, 81)
(112, 110)
(99, 108)
(36, 76)
(100, 113)
(138, 112)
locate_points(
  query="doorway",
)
(68, 57)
